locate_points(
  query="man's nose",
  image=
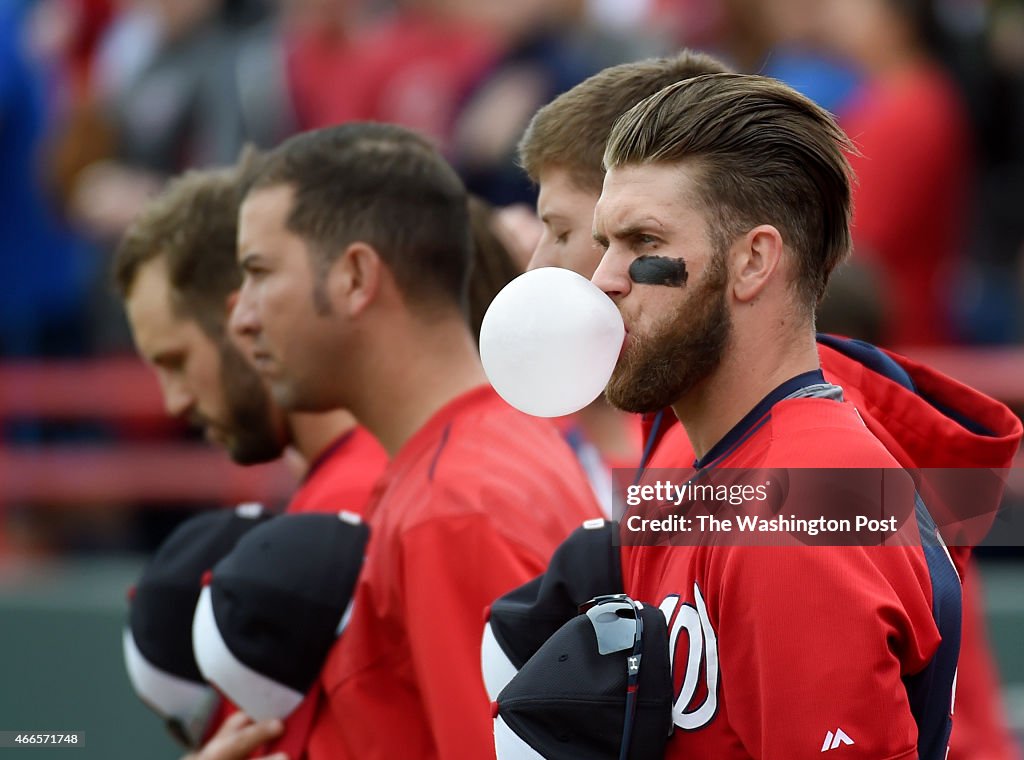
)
(612, 275)
(178, 400)
(243, 319)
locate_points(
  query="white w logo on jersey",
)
(703, 645)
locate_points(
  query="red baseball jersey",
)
(471, 507)
(925, 420)
(342, 477)
(788, 652)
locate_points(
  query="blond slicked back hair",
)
(764, 154)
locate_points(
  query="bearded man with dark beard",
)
(725, 208)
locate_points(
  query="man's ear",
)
(354, 279)
(755, 259)
(229, 304)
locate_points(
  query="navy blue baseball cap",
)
(584, 566)
(157, 639)
(272, 609)
(599, 689)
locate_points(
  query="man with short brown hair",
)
(175, 289)
(563, 147)
(176, 271)
(355, 245)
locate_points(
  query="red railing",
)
(123, 390)
(120, 391)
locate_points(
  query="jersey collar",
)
(329, 451)
(755, 417)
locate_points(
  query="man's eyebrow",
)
(600, 238)
(631, 232)
(248, 257)
(626, 233)
(642, 227)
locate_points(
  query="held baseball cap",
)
(599, 689)
(586, 565)
(157, 640)
(273, 607)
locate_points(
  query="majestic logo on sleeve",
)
(696, 702)
(834, 741)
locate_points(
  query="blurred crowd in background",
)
(101, 101)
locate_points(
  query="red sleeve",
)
(816, 640)
(452, 569)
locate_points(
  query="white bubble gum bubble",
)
(549, 342)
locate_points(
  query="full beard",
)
(253, 437)
(657, 369)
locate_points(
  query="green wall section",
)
(1004, 603)
(61, 667)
